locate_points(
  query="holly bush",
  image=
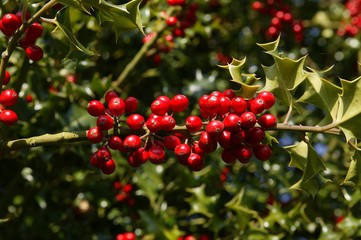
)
(175, 119)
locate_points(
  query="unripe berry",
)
(95, 108)
(193, 123)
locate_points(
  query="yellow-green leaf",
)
(353, 176)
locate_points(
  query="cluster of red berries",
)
(176, 24)
(282, 19)
(10, 23)
(126, 236)
(124, 193)
(353, 26)
(230, 123)
(8, 98)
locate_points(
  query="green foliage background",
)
(53, 193)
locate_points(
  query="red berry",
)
(214, 127)
(195, 162)
(262, 152)
(267, 121)
(154, 123)
(225, 139)
(5, 31)
(160, 107)
(193, 123)
(95, 108)
(243, 153)
(8, 117)
(207, 143)
(115, 142)
(103, 154)
(95, 161)
(34, 31)
(229, 93)
(167, 123)
(34, 52)
(95, 135)
(108, 167)
(105, 122)
(182, 152)
(179, 103)
(172, 20)
(116, 106)
(232, 122)
(225, 105)
(228, 155)
(135, 121)
(6, 78)
(138, 157)
(198, 150)
(239, 105)
(268, 99)
(213, 105)
(248, 120)
(131, 104)
(8, 97)
(132, 142)
(171, 141)
(109, 95)
(255, 135)
(238, 137)
(202, 102)
(11, 22)
(156, 154)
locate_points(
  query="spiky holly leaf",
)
(200, 202)
(305, 158)
(321, 93)
(349, 111)
(124, 17)
(246, 80)
(353, 176)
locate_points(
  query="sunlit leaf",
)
(353, 176)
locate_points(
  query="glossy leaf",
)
(353, 176)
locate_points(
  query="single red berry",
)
(172, 21)
(239, 105)
(193, 123)
(105, 122)
(34, 31)
(171, 141)
(138, 157)
(207, 143)
(11, 22)
(198, 150)
(109, 95)
(160, 107)
(8, 117)
(232, 122)
(34, 52)
(228, 155)
(28, 98)
(229, 93)
(179, 103)
(108, 167)
(135, 121)
(156, 154)
(257, 6)
(182, 152)
(95, 161)
(103, 154)
(267, 121)
(154, 123)
(243, 153)
(95, 135)
(213, 105)
(195, 162)
(167, 123)
(225, 105)
(95, 108)
(6, 78)
(268, 99)
(8, 97)
(115, 142)
(255, 135)
(248, 120)
(238, 137)
(215, 127)
(225, 140)
(202, 102)
(5, 31)
(131, 104)
(132, 142)
(116, 106)
(262, 152)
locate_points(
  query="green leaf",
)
(63, 23)
(353, 176)
(124, 17)
(305, 158)
(349, 113)
(248, 89)
(200, 202)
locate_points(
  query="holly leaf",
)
(353, 176)
(200, 202)
(305, 158)
(246, 80)
(349, 112)
(124, 17)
